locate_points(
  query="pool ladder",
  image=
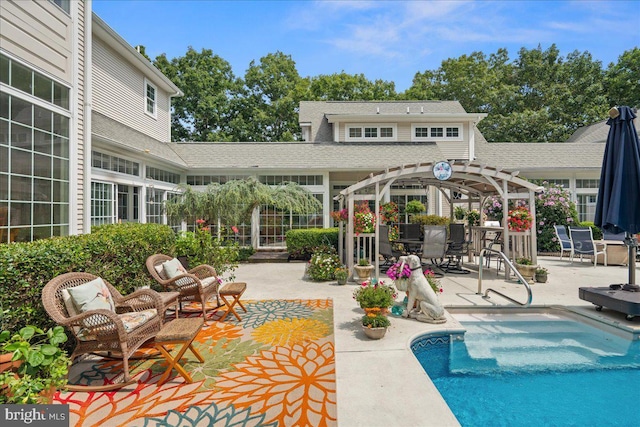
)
(511, 266)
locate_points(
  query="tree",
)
(622, 80)
(349, 87)
(204, 113)
(270, 102)
(234, 201)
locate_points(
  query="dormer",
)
(444, 123)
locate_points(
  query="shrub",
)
(115, 252)
(301, 242)
(553, 207)
(595, 231)
(414, 207)
(430, 220)
(323, 263)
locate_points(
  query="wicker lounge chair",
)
(133, 321)
(198, 284)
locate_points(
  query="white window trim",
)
(444, 137)
(378, 126)
(147, 83)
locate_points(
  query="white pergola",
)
(475, 180)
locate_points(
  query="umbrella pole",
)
(631, 242)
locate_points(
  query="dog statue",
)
(429, 309)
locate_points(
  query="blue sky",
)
(388, 40)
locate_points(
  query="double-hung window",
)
(151, 98)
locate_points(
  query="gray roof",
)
(304, 155)
(114, 132)
(526, 156)
(596, 132)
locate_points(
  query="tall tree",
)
(273, 92)
(622, 80)
(349, 87)
(204, 112)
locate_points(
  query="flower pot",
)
(6, 364)
(341, 280)
(363, 272)
(541, 277)
(376, 310)
(527, 271)
(374, 333)
(401, 284)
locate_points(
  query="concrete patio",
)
(381, 383)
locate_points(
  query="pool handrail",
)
(512, 267)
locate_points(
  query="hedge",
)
(300, 243)
(116, 253)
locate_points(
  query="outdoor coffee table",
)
(235, 291)
(178, 332)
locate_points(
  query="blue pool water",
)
(543, 370)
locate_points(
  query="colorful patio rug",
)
(276, 367)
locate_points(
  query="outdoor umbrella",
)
(618, 204)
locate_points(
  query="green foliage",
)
(323, 263)
(116, 253)
(363, 262)
(430, 220)
(621, 79)
(459, 212)
(414, 207)
(376, 321)
(341, 273)
(300, 243)
(524, 261)
(349, 87)
(553, 207)
(473, 217)
(375, 294)
(244, 252)
(44, 363)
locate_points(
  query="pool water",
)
(541, 370)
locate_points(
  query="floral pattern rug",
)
(275, 367)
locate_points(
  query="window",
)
(162, 175)
(586, 207)
(150, 95)
(34, 157)
(101, 203)
(370, 132)
(63, 4)
(115, 164)
(587, 183)
(154, 206)
(436, 132)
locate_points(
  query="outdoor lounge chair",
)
(434, 246)
(386, 250)
(198, 284)
(119, 330)
(458, 245)
(583, 244)
(564, 240)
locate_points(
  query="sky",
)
(386, 40)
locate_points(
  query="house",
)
(85, 139)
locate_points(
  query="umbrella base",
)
(615, 297)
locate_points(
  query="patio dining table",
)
(411, 246)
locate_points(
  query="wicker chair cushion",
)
(68, 303)
(92, 295)
(208, 281)
(160, 270)
(135, 319)
(173, 268)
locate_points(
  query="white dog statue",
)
(429, 309)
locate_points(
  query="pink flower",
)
(200, 221)
(235, 229)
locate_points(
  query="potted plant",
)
(43, 369)
(341, 274)
(363, 269)
(414, 207)
(375, 296)
(459, 213)
(375, 325)
(526, 268)
(400, 275)
(541, 275)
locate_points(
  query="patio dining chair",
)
(198, 284)
(583, 244)
(564, 240)
(457, 247)
(386, 249)
(102, 320)
(434, 246)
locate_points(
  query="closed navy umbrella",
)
(618, 204)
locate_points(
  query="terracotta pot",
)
(6, 364)
(374, 333)
(376, 310)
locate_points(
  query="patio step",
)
(266, 256)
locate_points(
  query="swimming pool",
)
(534, 370)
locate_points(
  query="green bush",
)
(202, 248)
(244, 252)
(553, 206)
(323, 263)
(115, 252)
(301, 242)
(430, 220)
